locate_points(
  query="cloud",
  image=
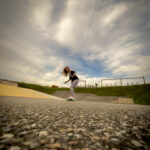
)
(65, 29)
(40, 14)
(114, 13)
(98, 39)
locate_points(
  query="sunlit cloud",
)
(97, 39)
(114, 13)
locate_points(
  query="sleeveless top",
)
(74, 77)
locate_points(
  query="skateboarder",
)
(73, 78)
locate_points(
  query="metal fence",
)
(113, 82)
(123, 81)
(104, 82)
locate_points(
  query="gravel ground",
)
(44, 124)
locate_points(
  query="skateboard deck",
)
(70, 99)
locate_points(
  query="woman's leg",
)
(73, 85)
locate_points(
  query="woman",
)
(73, 78)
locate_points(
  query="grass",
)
(139, 93)
(44, 89)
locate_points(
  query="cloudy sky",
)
(96, 38)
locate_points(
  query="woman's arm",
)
(67, 81)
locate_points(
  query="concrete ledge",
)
(123, 100)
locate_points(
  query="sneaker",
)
(72, 97)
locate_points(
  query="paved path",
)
(42, 124)
(94, 98)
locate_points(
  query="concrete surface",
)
(43, 124)
(8, 90)
(94, 98)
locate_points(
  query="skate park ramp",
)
(94, 98)
(13, 83)
(11, 90)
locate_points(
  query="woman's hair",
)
(66, 71)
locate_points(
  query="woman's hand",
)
(66, 81)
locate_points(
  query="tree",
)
(54, 86)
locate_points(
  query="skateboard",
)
(70, 99)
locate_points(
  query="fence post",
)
(121, 82)
(144, 80)
(85, 83)
(101, 83)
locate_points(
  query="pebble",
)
(110, 128)
(123, 132)
(98, 144)
(62, 130)
(43, 134)
(43, 141)
(103, 139)
(136, 143)
(138, 136)
(72, 143)
(34, 145)
(96, 138)
(135, 128)
(7, 136)
(114, 148)
(27, 143)
(125, 117)
(106, 134)
(106, 146)
(23, 133)
(118, 134)
(124, 124)
(69, 130)
(52, 140)
(33, 125)
(7, 141)
(78, 136)
(27, 127)
(98, 131)
(70, 134)
(55, 145)
(115, 140)
(15, 148)
(86, 148)
(6, 129)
